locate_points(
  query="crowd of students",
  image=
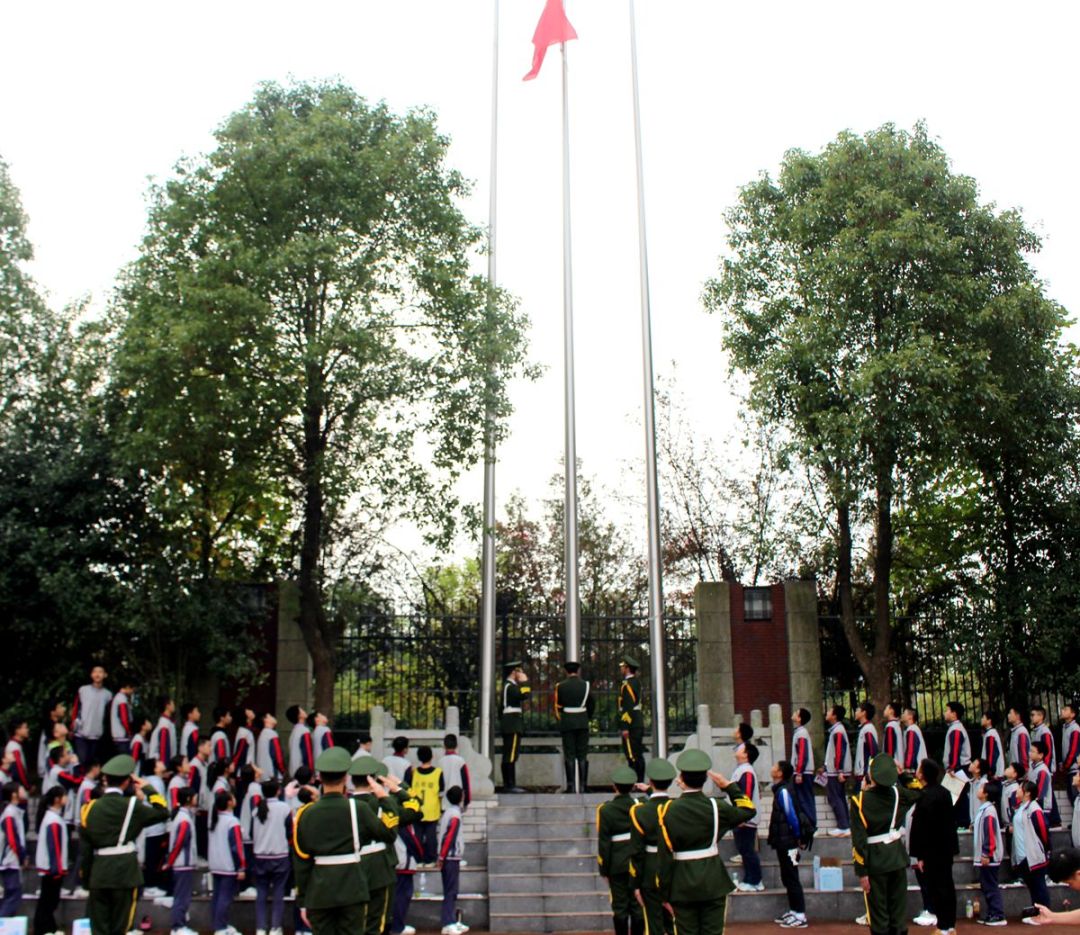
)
(1004, 799)
(232, 794)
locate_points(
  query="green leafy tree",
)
(311, 281)
(855, 298)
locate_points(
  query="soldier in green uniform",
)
(573, 710)
(613, 851)
(375, 858)
(691, 876)
(512, 722)
(329, 836)
(632, 721)
(645, 832)
(877, 844)
(110, 860)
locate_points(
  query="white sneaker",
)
(260, 931)
(925, 919)
(863, 920)
(165, 901)
(231, 930)
(735, 859)
(461, 927)
(248, 893)
(745, 887)
(1029, 920)
(276, 932)
(153, 892)
(450, 930)
(78, 893)
(408, 930)
(184, 931)
(838, 833)
(780, 920)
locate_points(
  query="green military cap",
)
(381, 769)
(624, 776)
(119, 766)
(334, 760)
(883, 770)
(629, 661)
(364, 766)
(694, 761)
(659, 770)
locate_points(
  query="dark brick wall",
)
(759, 656)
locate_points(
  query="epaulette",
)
(296, 831)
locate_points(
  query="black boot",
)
(637, 925)
(571, 786)
(584, 767)
(511, 772)
(621, 928)
(639, 768)
(507, 770)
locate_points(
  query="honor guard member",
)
(631, 718)
(877, 843)
(691, 876)
(378, 869)
(329, 836)
(614, 849)
(512, 722)
(573, 711)
(645, 833)
(110, 859)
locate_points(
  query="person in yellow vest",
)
(426, 783)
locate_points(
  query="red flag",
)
(553, 27)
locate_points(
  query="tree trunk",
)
(880, 677)
(843, 591)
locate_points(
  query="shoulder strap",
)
(588, 685)
(715, 820)
(127, 821)
(895, 808)
(355, 829)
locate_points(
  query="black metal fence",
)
(416, 664)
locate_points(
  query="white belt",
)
(511, 710)
(337, 860)
(888, 838)
(700, 854)
(621, 837)
(574, 710)
(372, 848)
(651, 849)
(115, 850)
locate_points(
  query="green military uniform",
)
(644, 837)
(631, 718)
(110, 861)
(877, 844)
(690, 873)
(379, 870)
(512, 725)
(329, 837)
(613, 852)
(574, 707)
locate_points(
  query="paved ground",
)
(963, 927)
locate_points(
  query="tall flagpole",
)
(487, 609)
(656, 591)
(570, 511)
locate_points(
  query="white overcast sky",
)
(97, 97)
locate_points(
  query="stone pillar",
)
(294, 675)
(804, 653)
(712, 610)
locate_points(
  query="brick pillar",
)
(804, 653)
(712, 614)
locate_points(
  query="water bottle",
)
(977, 910)
(969, 910)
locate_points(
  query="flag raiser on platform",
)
(553, 27)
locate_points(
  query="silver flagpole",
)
(656, 590)
(487, 610)
(570, 518)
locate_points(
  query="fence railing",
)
(417, 664)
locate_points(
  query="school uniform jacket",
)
(243, 748)
(120, 717)
(993, 752)
(322, 738)
(89, 711)
(1043, 732)
(802, 750)
(451, 841)
(12, 838)
(1030, 822)
(163, 745)
(301, 750)
(181, 842)
(1010, 802)
(226, 851)
(19, 772)
(957, 747)
(745, 776)
(866, 748)
(837, 751)
(1020, 746)
(988, 840)
(689, 867)
(456, 773)
(914, 747)
(270, 838)
(51, 857)
(220, 748)
(268, 754)
(893, 740)
(1040, 775)
(1070, 747)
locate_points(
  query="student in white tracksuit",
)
(271, 829)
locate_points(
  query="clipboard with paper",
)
(955, 783)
